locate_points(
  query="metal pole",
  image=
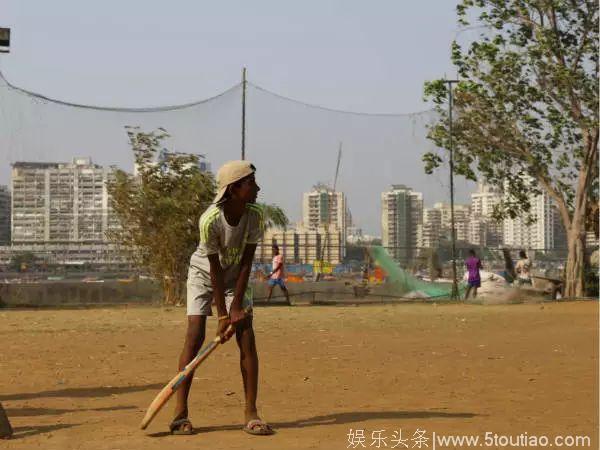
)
(454, 295)
(244, 113)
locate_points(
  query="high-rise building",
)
(484, 231)
(4, 215)
(461, 220)
(401, 222)
(61, 202)
(432, 228)
(302, 246)
(325, 208)
(538, 235)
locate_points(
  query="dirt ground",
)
(82, 379)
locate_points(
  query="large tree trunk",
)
(576, 232)
(575, 269)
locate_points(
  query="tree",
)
(274, 216)
(22, 262)
(527, 110)
(159, 209)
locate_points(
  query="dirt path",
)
(83, 378)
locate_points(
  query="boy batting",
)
(219, 269)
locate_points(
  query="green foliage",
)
(159, 209)
(22, 262)
(274, 216)
(527, 105)
(526, 108)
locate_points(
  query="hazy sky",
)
(349, 55)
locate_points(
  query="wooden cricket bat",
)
(165, 394)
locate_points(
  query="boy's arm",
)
(276, 269)
(236, 313)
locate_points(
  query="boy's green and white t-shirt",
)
(218, 237)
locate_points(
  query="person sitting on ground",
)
(277, 274)
(473, 264)
(523, 269)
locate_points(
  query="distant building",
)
(591, 241)
(538, 235)
(66, 202)
(461, 220)
(432, 228)
(4, 215)
(301, 245)
(323, 208)
(355, 235)
(401, 222)
(484, 231)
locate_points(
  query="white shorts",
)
(199, 299)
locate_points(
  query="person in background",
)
(473, 264)
(523, 269)
(277, 274)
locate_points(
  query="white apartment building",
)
(461, 220)
(302, 245)
(484, 231)
(401, 222)
(60, 202)
(538, 235)
(323, 208)
(432, 228)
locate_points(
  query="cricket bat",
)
(163, 396)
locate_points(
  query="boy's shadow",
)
(337, 419)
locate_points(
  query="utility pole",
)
(455, 294)
(244, 113)
(6, 430)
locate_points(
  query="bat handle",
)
(231, 329)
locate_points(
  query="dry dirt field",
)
(82, 379)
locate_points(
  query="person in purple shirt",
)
(473, 264)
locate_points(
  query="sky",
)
(347, 55)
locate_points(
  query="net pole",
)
(454, 294)
(244, 113)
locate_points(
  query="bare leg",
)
(287, 294)
(193, 342)
(474, 292)
(467, 293)
(270, 293)
(249, 366)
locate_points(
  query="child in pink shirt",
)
(277, 274)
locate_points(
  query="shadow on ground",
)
(338, 419)
(101, 391)
(30, 412)
(22, 432)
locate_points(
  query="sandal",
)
(181, 427)
(258, 427)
